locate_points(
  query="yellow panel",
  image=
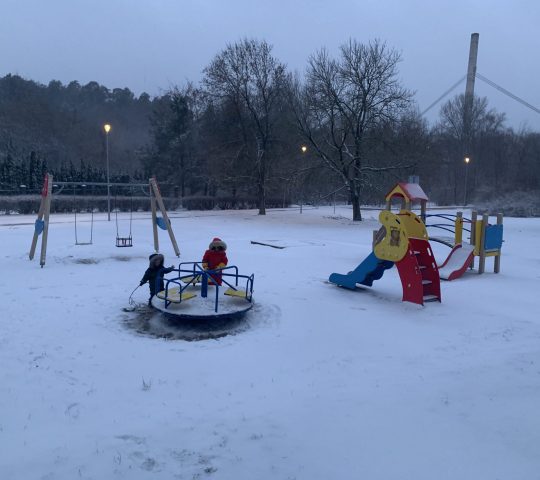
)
(187, 296)
(174, 297)
(395, 243)
(396, 190)
(477, 237)
(458, 236)
(172, 292)
(413, 225)
(235, 293)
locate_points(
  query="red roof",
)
(412, 190)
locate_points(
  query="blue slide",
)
(366, 273)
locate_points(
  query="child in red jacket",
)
(215, 257)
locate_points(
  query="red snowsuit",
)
(215, 257)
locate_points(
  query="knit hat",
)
(217, 242)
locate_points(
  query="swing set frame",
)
(41, 228)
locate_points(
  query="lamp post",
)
(107, 129)
(303, 149)
(467, 159)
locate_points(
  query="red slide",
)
(457, 262)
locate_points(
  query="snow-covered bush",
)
(28, 204)
(205, 202)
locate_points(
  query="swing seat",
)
(124, 241)
(174, 297)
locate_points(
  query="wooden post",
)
(474, 216)
(47, 212)
(154, 220)
(40, 216)
(497, 264)
(423, 208)
(482, 261)
(161, 206)
(458, 229)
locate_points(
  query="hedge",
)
(29, 204)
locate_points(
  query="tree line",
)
(252, 129)
(59, 128)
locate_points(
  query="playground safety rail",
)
(197, 271)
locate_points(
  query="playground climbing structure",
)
(401, 241)
(485, 240)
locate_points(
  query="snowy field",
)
(318, 383)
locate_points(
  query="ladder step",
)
(416, 252)
(431, 298)
(426, 282)
(422, 267)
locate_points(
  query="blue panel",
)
(161, 223)
(39, 226)
(494, 237)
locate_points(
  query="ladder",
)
(419, 273)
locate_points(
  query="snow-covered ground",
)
(319, 383)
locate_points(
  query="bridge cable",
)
(444, 95)
(506, 92)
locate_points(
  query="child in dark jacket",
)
(154, 275)
(215, 257)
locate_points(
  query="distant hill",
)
(61, 126)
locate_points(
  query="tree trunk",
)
(261, 154)
(355, 201)
(261, 198)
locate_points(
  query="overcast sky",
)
(149, 45)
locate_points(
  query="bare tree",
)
(342, 101)
(484, 139)
(248, 75)
(483, 119)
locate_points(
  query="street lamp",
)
(467, 159)
(107, 129)
(303, 149)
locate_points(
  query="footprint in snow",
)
(73, 410)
